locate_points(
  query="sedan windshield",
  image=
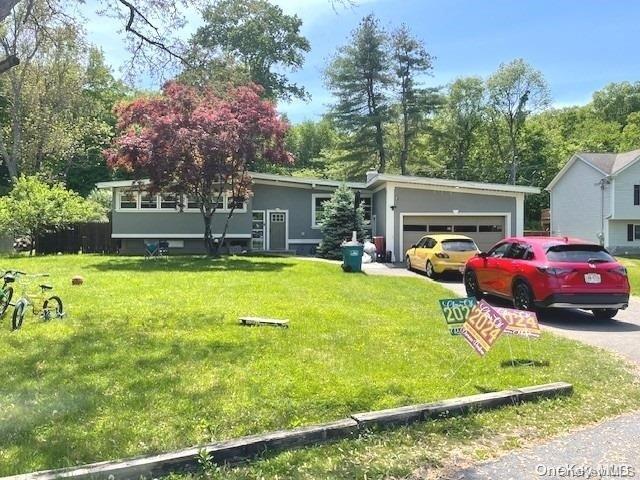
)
(578, 254)
(459, 246)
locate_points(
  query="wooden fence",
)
(81, 237)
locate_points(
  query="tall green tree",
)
(616, 101)
(411, 60)
(260, 37)
(515, 91)
(460, 121)
(359, 78)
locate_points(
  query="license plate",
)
(592, 278)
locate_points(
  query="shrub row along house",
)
(283, 213)
(596, 197)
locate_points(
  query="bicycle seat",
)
(44, 286)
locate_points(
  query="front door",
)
(277, 230)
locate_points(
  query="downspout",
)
(603, 184)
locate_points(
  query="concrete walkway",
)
(612, 444)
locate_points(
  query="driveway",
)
(611, 444)
(620, 335)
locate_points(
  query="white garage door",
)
(486, 231)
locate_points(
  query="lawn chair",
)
(163, 249)
(151, 249)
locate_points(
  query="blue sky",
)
(579, 45)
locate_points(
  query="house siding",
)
(408, 200)
(576, 203)
(624, 209)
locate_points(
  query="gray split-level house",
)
(282, 213)
(596, 197)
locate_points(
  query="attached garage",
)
(486, 230)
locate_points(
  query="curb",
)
(244, 448)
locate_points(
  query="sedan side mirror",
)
(414, 245)
(483, 254)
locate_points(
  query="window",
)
(499, 250)
(578, 253)
(465, 228)
(175, 243)
(633, 232)
(317, 207)
(430, 243)
(277, 217)
(236, 203)
(128, 199)
(636, 194)
(519, 251)
(459, 246)
(421, 243)
(441, 228)
(414, 228)
(490, 228)
(169, 201)
(257, 230)
(147, 200)
(192, 203)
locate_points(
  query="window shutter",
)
(636, 194)
(630, 232)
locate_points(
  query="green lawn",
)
(151, 358)
(633, 269)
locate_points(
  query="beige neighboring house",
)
(596, 197)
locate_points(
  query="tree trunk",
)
(405, 130)
(209, 244)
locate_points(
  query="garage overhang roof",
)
(380, 179)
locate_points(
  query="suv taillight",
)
(555, 271)
(620, 270)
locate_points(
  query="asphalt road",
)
(612, 444)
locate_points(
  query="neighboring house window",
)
(633, 232)
(127, 199)
(636, 194)
(317, 207)
(366, 206)
(168, 201)
(147, 200)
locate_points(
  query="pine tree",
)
(411, 60)
(339, 219)
(359, 77)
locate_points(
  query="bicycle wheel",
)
(52, 308)
(18, 314)
(7, 294)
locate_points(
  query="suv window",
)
(519, 251)
(499, 251)
(578, 254)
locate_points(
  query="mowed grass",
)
(151, 358)
(633, 270)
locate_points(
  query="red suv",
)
(539, 272)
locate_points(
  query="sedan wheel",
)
(408, 262)
(471, 285)
(429, 270)
(522, 296)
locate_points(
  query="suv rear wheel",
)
(522, 296)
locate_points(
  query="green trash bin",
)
(352, 258)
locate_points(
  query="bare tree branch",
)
(133, 12)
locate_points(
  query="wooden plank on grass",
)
(259, 321)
